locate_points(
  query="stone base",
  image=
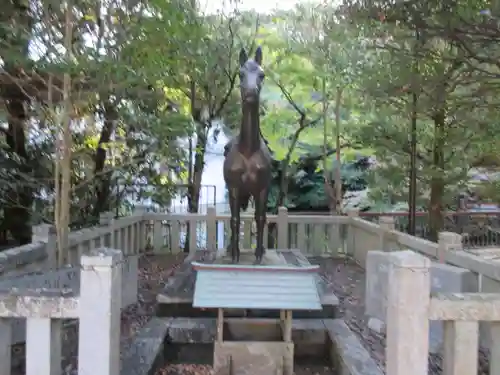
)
(154, 344)
(247, 257)
(253, 357)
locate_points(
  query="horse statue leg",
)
(260, 220)
(234, 204)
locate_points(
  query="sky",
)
(262, 6)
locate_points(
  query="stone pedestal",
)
(247, 257)
(253, 357)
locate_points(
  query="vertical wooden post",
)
(287, 334)
(220, 325)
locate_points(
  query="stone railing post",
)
(141, 239)
(52, 248)
(157, 236)
(107, 219)
(100, 306)
(5, 345)
(407, 314)
(40, 233)
(350, 245)
(130, 280)
(282, 224)
(211, 228)
(386, 224)
(43, 345)
(448, 241)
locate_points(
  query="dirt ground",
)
(207, 370)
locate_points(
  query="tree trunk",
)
(285, 163)
(16, 46)
(329, 191)
(103, 181)
(437, 185)
(19, 211)
(197, 174)
(338, 172)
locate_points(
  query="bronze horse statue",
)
(247, 163)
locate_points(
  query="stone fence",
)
(96, 306)
(32, 267)
(315, 235)
(409, 307)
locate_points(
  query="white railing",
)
(96, 306)
(31, 268)
(409, 309)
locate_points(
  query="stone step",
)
(144, 354)
(347, 351)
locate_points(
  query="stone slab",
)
(247, 257)
(144, 355)
(347, 353)
(203, 330)
(445, 278)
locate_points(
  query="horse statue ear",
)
(243, 57)
(258, 55)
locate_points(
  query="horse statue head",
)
(251, 76)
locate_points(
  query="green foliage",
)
(305, 182)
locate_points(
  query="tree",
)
(112, 84)
(448, 109)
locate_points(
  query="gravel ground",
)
(207, 370)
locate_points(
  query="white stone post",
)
(100, 306)
(350, 247)
(43, 346)
(5, 346)
(106, 219)
(448, 241)
(130, 280)
(142, 235)
(407, 339)
(386, 224)
(282, 224)
(211, 228)
(52, 248)
(158, 236)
